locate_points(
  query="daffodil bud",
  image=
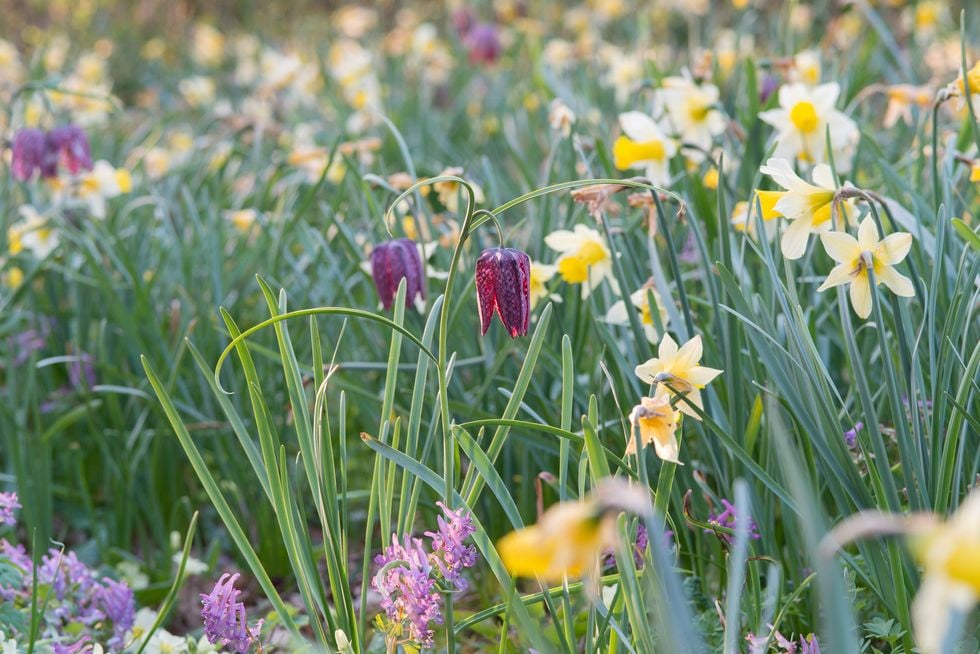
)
(393, 261)
(28, 154)
(503, 278)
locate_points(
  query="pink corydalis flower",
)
(393, 261)
(225, 622)
(503, 278)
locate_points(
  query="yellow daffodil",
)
(681, 369)
(570, 537)
(802, 120)
(541, 273)
(33, 233)
(692, 111)
(972, 78)
(617, 314)
(950, 555)
(585, 258)
(242, 219)
(856, 257)
(655, 422)
(643, 145)
(807, 206)
(975, 172)
(805, 68)
(743, 215)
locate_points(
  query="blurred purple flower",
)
(393, 261)
(8, 504)
(729, 519)
(67, 145)
(809, 645)
(770, 84)
(225, 622)
(28, 157)
(448, 550)
(463, 20)
(81, 372)
(74, 648)
(639, 547)
(483, 43)
(850, 436)
(116, 601)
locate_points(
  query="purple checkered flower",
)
(503, 278)
(28, 158)
(67, 145)
(225, 622)
(393, 261)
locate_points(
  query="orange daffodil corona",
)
(856, 257)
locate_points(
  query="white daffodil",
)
(645, 146)
(802, 121)
(101, 183)
(33, 233)
(855, 257)
(681, 368)
(585, 258)
(692, 111)
(540, 274)
(808, 206)
(617, 314)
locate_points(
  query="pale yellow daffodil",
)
(679, 367)
(655, 422)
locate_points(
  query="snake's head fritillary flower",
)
(679, 368)
(29, 149)
(68, 145)
(503, 285)
(855, 257)
(483, 42)
(392, 262)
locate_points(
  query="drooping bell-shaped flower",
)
(68, 145)
(503, 278)
(29, 150)
(393, 261)
(483, 43)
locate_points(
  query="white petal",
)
(868, 234)
(562, 240)
(861, 296)
(795, 237)
(841, 246)
(898, 283)
(894, 248)
(840, 274)
(639, 126)
(823, 176)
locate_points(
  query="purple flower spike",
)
(447, 545)
(503, 284)
(393, 261)
(225, 623)
(67, 145)
(29, 150)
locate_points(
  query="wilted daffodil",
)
(681, 369)
(655, 422)
(808, 206)
(617, 314)
(585, 258)
(503, 277)
(571, 537)
(644, 146)
(855, 257)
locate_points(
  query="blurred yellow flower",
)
(681, 368)
(692, 111)
(975, 172)
(197, 91)
(856, 256)
(805, 68)
(710, 179)
(207, 45)
(570, 537)
(585, 259)
(808, 206)
(449, 192)
(643, 146)
(541, 273)
(655, 421)
(242, 219)
(901, 99)
(950, 554)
